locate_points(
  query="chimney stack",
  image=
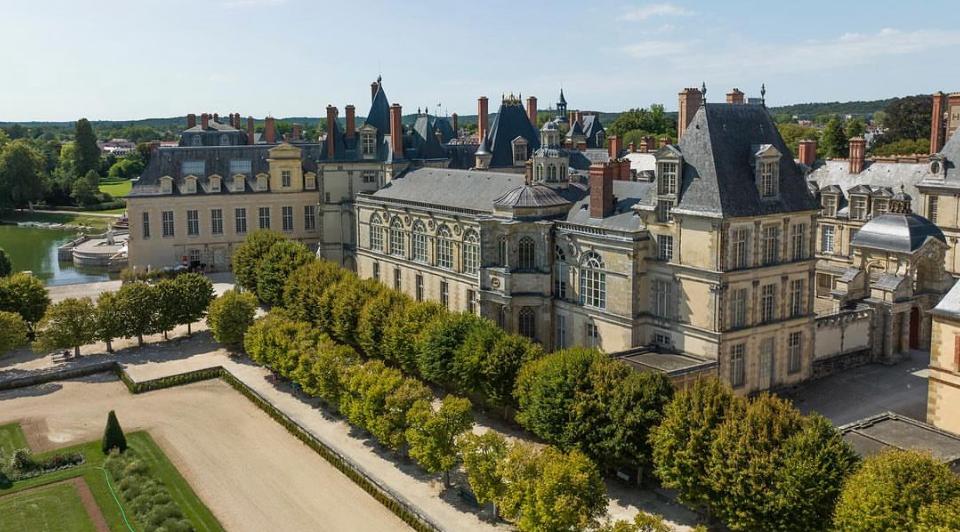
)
(396, 131)
(331, 132)
(482, 117)
(857, 153)
(614, 147)
(374, 87)
(601, 190)
(528, 172)
(251, 138)
(807, 152)
(216, 117)
(632, 147)
(578, 117)
(297, 132)
(936, 122)
(664, 141)
(735, 96)
(456, 125)
(690, 101)
(205, 121)
(191, 120)
(236, 120)
(351, 121)
(269, 130)
(532, 110)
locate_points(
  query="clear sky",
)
(111, 59)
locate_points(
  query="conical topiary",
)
(113, 437)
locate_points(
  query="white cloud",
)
(648, 11)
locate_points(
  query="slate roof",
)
(875, 174)
(887, 431)
(718, 174)
(624, 218)
(511, 121)
(950, 153)
(949, 306)
(901, 233)
(379, 114)
(592, 128)
(443, 187)
(530, 196)
(424, 139)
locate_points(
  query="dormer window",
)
(600, 139)
(238, 183)
(767, 170)
(196, 140)
(858, 207)
(880, 207)
(830, 205)
(190, 185)
(368, 144)
(215, 183)
(166, 185)
(936, 166)
(262, 182)
(285, 178)
(310, 181)
(667, 182)
(519, 151)
(224, 140)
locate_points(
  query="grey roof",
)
(379, 114)
(563, 100)
(718, 174)
(949, 306)
(888, 281)
(511, 122)
(875, 174)
(592, 128)
(892, 431)
(424, 138)
(647, 359)
(530, 196)
(901, 233)
(443, 187)
(624, 218)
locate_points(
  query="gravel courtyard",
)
(249, 471)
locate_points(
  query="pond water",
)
(35, 249)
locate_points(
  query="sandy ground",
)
(248, 470)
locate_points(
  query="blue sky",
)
(107, 59)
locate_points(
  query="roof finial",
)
(703, 92)
(379, 78)
(763, 93)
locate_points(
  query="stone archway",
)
(915, 324)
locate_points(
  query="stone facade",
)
(944, 381)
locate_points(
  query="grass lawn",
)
(11, 438)
(51, 508)
(191, 506)
(116, 189)
(100, 223)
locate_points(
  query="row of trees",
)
(634, 124)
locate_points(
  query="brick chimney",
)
(269, 130)
(331, 131)
(216, 117)
(205, 121)
(937, 131)
(571, 118)
(482, 117)
(857, 153)
(351, 121)
(374, 87)
(632, 148)
(579, 117)
(614, 146)
(297, 132)
(456, 124)
(532, 110)
(690, 100)
(191, 120)
(807, 152)
(396, 131)
(251, 139)
(601, 190)
(236, 120)
(735, 96)
(664, 141)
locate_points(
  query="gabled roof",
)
(591, 128)
(511, 121)
(379, 114)
(718, 174)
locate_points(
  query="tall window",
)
(826, 238)
(829, 204)
(472, 301)
(264, 217)
(526, 251)
(662, 293)
(858, 208)
(396, 238)
(560, 274)
(471, 253)
(771, 244)
(794, 350)
(445, 294)
(310, 217)
(419, 288)
(502, 251)
(665, 248)
(738, 307)
(376, 270)
(397, 279)
(593, 335)
(796, 297)
(444, 248)
(768, 302)
(527, 322)
(376, 233)
(668, 178)
(216, 221)
(193, 223)
(286, 215)
(285, 178)
(739, 248)
(561, 333)
(799, 238)
(880, 206)
(593, 282)
(768, 179)
(368, 142)
(240, 220)
(167, 219)
(932, 208)
(737, 366)
(419, 242)
(663, 210)
(146, 225)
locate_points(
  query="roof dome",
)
(901, 233)
(530, 196)
(549, 126)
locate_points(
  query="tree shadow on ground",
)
(30, 391)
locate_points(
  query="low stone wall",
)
(829, 366)
(840, 333)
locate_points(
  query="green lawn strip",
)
(50, 508)
(117, 189)
(11, 438)
(78, 218)
(161, 468)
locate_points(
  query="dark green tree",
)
(833, 139)
(404, 326)
(341, 305)
(274, 269)
(86, 153)
(21, 174)
(71, 322)
(247, 257)
(230, 315)
(547, 390)
(305, 287)
(24, 294)
(438, 344)
(113, 437)
(501, 366)
(472, 353)
(195, 292)
(907, 118)
(6, 266)
(373, 319)
(855, 127)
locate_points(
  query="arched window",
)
(444, 248)
(396, 238)
(471, 252)
(502, 251)
(527, 324)
(376, 232)
(539, 174)
(419, 243)
(527, 254)
(593, 281)
(561, 273)
(552, 173)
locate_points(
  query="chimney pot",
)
(601, 189)
(331, 132)
(191, 120)
(690, 101)
(205, 121)
(269, 130)
(396, 131)
(532, 110)
(735, 96)
(857, 152)
(351, 121)
(482, 117)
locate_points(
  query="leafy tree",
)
(341, 304)
(481, 455)
(373, 318)
(365, 392)
(517, 472)
(280, 343)
(468, 357)
(833, 139)
(652, 121)
(642, 522)
(400, 335)
(681, 443)
(939, 516)
(902, 147)
(113, 437)
(328, 372)
(13, 331)
(166, 306)
(890, 489)
(83, 193)
(855, 127)
(86, 153)
(432, 434)
(793, 133)
(109, 317)
(230, 315)
(247, 257)
(305, 287)
(24, 294)
(391, 426)
(6, 266)
(773, 468)
(439, 342)
(195, 294)
(547, 389)
(138, 308)
(68, 323)
(907, 118)
(501, 365)
(21, 170)
(275, 268)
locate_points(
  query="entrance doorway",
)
(914, 328)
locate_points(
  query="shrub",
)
(273, 270)
(113, 437)
(229, 317)
(13, 331)
(144, 494)
(247, 257)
